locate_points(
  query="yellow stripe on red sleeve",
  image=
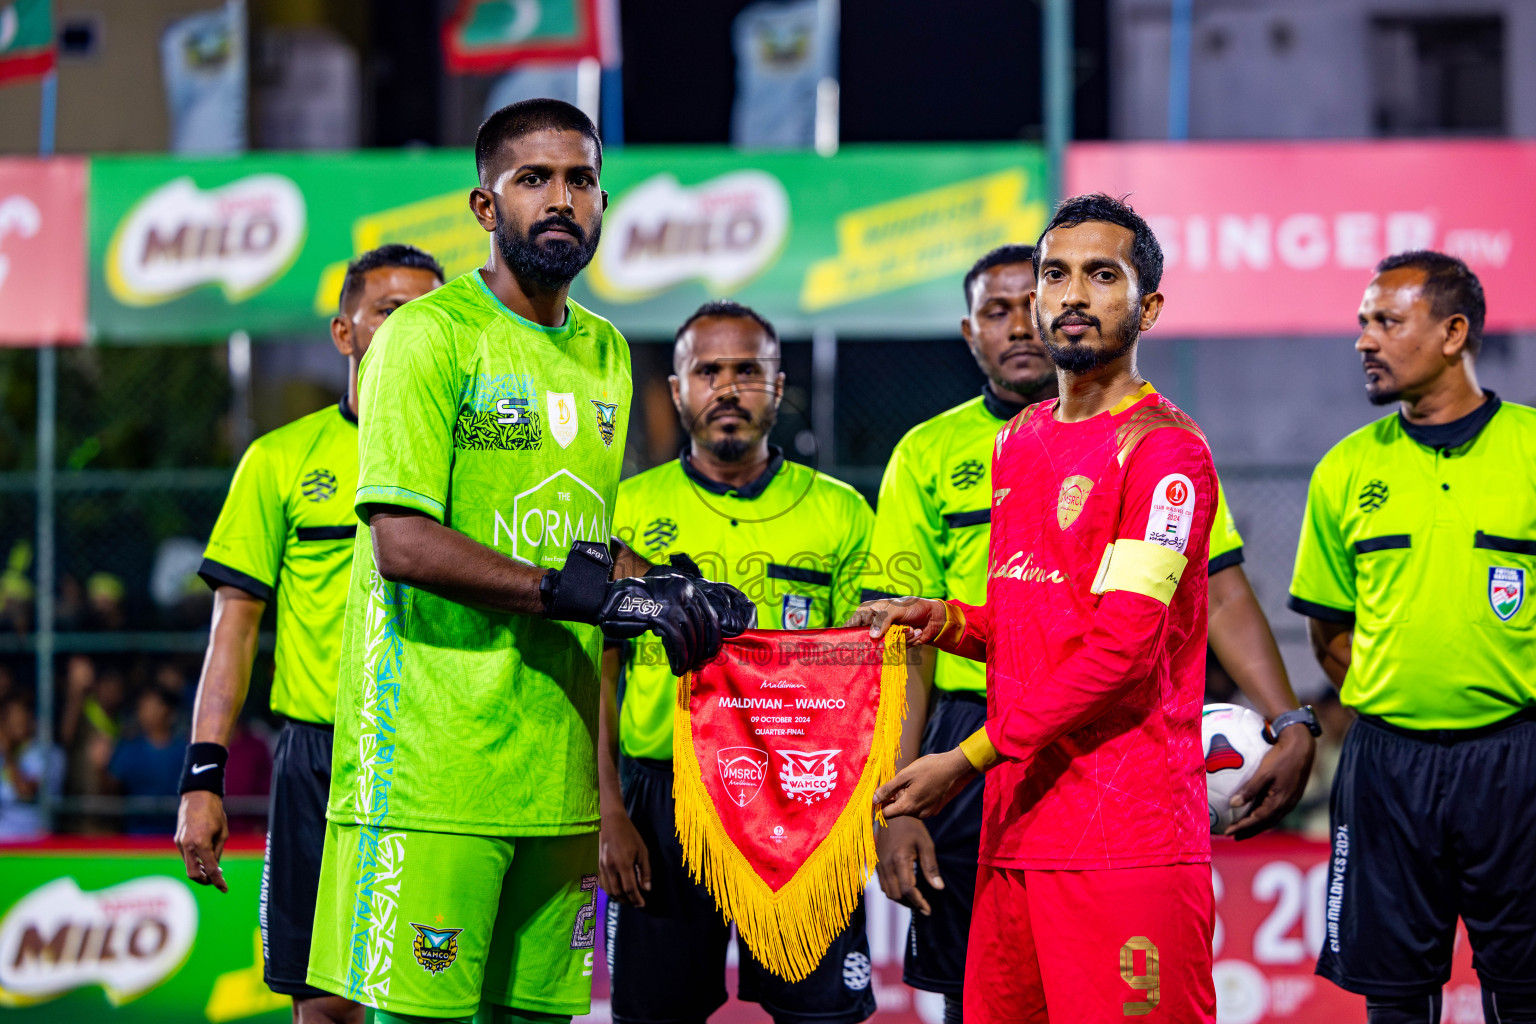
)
(978, 749)
(1140, 567)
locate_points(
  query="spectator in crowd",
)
(88, 727)
(248, 773)
(16, 590)
(105, 611)
(26, 767)
(149, 764)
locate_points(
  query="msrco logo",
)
(742, 771)
(127, 939)
(724, 232)
(241, 236)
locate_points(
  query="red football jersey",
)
(1094, 700)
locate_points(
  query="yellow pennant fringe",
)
(789, 931)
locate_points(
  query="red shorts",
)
(1091, 947)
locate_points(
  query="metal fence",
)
(137, 446)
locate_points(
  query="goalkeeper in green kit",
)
(459, 878)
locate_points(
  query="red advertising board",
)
(42, 251)
(1271, 920)
(1279, 238)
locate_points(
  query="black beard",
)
(729, 449)
(550, 265)
(1076, 358)
(1027, 391)
(1383, 397)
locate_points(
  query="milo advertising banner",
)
(93, 929)
(872, 241)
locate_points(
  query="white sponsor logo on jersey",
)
(562, 416)
(1172, 515)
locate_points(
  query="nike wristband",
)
(203, 768)
(576, 592)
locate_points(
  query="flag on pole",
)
(778, 746)
(26, 39)
(487, 36)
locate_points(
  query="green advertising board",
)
(871, 242)
(121, 935)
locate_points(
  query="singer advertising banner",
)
(778, 746)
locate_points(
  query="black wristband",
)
(203, 768)
(576, 593)
(1300, 716)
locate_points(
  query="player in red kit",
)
(1093, 899)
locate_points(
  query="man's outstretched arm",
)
(413, 548)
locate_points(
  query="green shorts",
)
(431, 924)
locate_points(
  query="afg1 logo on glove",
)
(638, 606)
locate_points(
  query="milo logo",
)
(241, 236)
(127, 939)
(661, 233)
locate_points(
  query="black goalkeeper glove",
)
(735, 610)
(668, 605)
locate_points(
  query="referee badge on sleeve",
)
(1506, 591)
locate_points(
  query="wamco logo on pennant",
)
(241, 236)
(724, 232)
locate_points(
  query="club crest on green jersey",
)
(562, 416)
(660, 533)
(1506, 591)
(1373, 495)
(967, 474)
(606, 413)
(436, 948)
(319, 485)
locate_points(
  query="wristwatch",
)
(1301, 716)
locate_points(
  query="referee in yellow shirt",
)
(1416, 553)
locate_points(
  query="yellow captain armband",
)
(978, 750)
(1140, 567)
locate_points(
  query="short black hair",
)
(395, 254)
(1002, 256)
(1146, 254)
(515, 120)
(1450, 286)
(730, 309)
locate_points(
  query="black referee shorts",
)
(935, 960)
(290, 878)
(666, 960)
(1429, 827)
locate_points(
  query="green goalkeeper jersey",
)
(793, 540)
(285, 534)
(933, 524)
(451, 718)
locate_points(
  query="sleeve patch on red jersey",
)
(1172, 516)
